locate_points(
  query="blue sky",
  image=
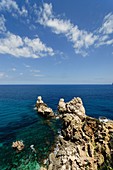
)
(56, 42)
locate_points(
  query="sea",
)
(20, 121)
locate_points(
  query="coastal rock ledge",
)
(85, 143)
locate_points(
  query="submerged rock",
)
(18, 145)
(43, 109)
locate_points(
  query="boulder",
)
(18, 145)
(43, 109)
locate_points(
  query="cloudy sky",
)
(56, 42)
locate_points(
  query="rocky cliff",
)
(85, 143)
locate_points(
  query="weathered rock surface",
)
(85, 143)
(75, 106)
(43, 109)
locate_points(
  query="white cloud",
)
(105, 31)
(21, 74)
(24, 47)
(24, 11)
(11, 5)
(38, 75)
(81, 39)
(47, 18)
(2, 75)
(59, 26)
(35, 71)
(2, 24)
(37, 46)
(27, 66)
(14, 69)
(104, 42)
(20, 46)
(8, 5)
(109, 42)
(107, 26)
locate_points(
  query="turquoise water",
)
(19, 120)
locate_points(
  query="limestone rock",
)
(18, 145)
(75, 106)
(86, 142)
(52, 158)
(39, 100)
(43, 168)
(100, 159)
(43, 109)
(62, 106)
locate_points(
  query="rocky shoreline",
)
(85, 143)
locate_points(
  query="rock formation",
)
(85, 143)
(18, 145)
(43, 109)
(75, 106)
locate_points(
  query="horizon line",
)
(60, 84)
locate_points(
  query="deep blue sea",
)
(19, 120)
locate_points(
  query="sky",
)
(56, 42)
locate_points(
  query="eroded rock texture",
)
(85, 143)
